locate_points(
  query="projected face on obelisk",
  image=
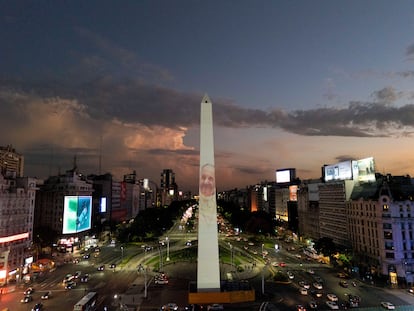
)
(207, 189)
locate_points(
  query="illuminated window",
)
(385, 207)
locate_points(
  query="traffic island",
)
(230, 292)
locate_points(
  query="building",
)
(17, 203)
(11, 162)
(57, 206)
(381, 223)
(168, 187)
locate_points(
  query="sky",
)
(293, 84)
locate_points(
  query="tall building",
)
(168, 187)
(51, 211)
(11, 162)
(332, 210)
(17, 202)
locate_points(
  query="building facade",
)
(17, 203)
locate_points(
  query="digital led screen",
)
(77, 214)
(338, 171)
(364, 170)
(103, 205)
(283, 176)
(293, 193)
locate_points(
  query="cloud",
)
(387, 95)
(410, 51)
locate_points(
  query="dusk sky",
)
(293, 84)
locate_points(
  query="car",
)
(215, 307)
(76, 260)
(26, 299)
(161, 281)
(290, 275)
(282, 264)
(101, 268)
(70, 285)
(387, 305)
(29, 291)
(85, 278)
(310, 271)
(300, 308)
(317, 285)
(344, 284)
(332, 305)
(77, 274)
(304, 284)
(316, 294)
(37, 307)
(171, 306)
(46, 295)
(303, 291)
(313, 305)
(332, 297)
(86, 256)
(112, 266)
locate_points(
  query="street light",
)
(262, 251)
(231, 255)
(168, 249)
(122, 253)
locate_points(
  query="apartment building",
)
(17, 202)
(381, 223)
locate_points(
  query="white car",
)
(332, 297)
(332, 305)
(387, 305)
(303, 291)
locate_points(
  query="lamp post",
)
(168, 249)
(262, 251)
(122, 253)
(231, 255)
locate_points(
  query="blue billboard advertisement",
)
(77, 214)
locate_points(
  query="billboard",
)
(77, 214)
(364, 170)
(293, 193)
(286, 175)
(338, 171)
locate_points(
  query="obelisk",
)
(208, 269)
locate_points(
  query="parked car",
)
(343, 283)
(29, 291)
(101, 268)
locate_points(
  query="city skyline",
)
(293, 84)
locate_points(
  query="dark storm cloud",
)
(134, 102)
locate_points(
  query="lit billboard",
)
(364, 170)
(77, 214)
(338, 171)
(286, 175)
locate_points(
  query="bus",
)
(87, 303)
